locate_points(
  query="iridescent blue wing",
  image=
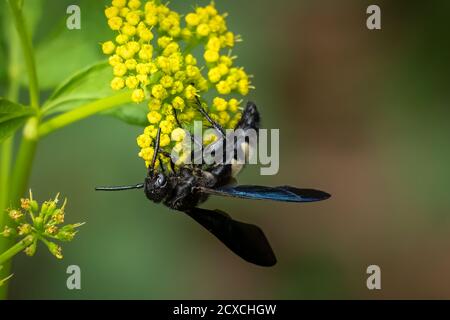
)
(246, 240)
(282, 193)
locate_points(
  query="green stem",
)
(27, 49)
(24, 160)
(5, 165)
(22, 166)
(15, 249)
(83, 112)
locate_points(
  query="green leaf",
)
(12, 116)
(61, 55)
(91, 84)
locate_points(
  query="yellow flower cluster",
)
(151, 56)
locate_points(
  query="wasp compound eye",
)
(160, 181)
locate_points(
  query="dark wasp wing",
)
(246, 240)
(282, 193)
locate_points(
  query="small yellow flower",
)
(165, 140)
(120, 70)
(145, 35)
(178, 103)
(192, 19)
(203, 30)
(114, 60)
(115, 23)
(211, 56)
(15, 215)
(131, 82)
(220, 104)
(214, 44)
(138, 95)
(25, 204)
(223, 87)
(159, 92)
(131, 64)
(190, 92)
(151, 131)
(111, 12)
(166, 126)
(154, 117)
(233, 105)
(108, 47)
(143, 79)
(164, 41)
(117, 83)
(134, 4)
(178, 135)
(119, 3)
(166, 81)
(154, 104)
(24, 229)
(147, 153)
(144, 141)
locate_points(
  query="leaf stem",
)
(15, 249)
(83, 112)
(27, 49)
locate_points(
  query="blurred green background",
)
(363, 115)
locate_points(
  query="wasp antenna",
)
(151, 167)
(120, 188)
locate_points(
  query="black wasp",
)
(186, 186)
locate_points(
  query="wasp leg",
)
(216, 126)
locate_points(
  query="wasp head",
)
(156, 187)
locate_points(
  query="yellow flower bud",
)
(144, 141)
(108, 47)
(178, 134)
(223, 87)
(151, 131)
(115, 60)
(143, 79)
(128, 29)
(115, 23)
(117, 83)
(211, 56)
(166, 81)
(154, 117)
(192, 19)
(138, 95)
(233, 105)
(213, 44)
(134, 4)
(203, 30)
(220, 104)
(122, 39)
(154, 104)
(132, 82)
(119, 3)
(214, 75)
(166, 126)
(145, 35)
(120, 70)
(159, 92)
(164, 41)
(111, 12)
(190, 92)
(165, 140)
(178, 103)
(131, 64)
